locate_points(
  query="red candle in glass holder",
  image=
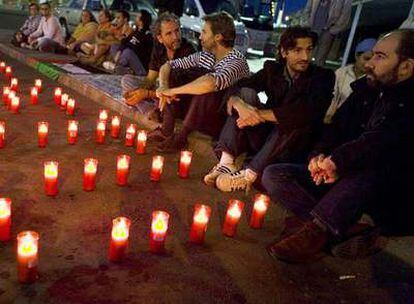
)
(159, 227)
(103, 115)
(70, 106)
(2, 66)
(5, 218)
(115, 126)
(122, 166)
(73, 129)
(232, 219)
(27, 256)
(33, 96)
(6, 92)
(89, 174)
(260, 206)
(14, 103)
(200, 221)
(58, 96)
(8, 72)
(141, 141)
(64, 101)
(14, 84)
(130, 133)
(2, 134)
(42, 132)
(184, 165)
(118, 248)
(51, 177)
(100, 132)
(156, 168)
(38, 85)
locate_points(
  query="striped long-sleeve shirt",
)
(225, 72)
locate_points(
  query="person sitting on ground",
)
(220, 65)
(84, 32)
(135, 50)
(20, 38)
(168, 45)
(363, 163)
(282, 129)
(48, 36)
(106, 38)
(348, 74)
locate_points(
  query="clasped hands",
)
(165, 96)
(249, 116)
(323, 170)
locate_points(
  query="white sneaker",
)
(233, 181)
(210, 178)
(108, 65)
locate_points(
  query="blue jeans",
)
(129, 59)
(338, 206)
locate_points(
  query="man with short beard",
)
(283, 129)
(362, 164)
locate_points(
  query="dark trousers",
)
(265, 143)
(203, 113)
(258, 142)
(337, 206)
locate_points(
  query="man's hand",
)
(231, 103)
(166, 96)
(248, 115)
(136, 96)
(314, 169)
(329, 169)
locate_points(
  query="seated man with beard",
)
(362, 163)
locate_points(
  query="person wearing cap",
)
(348, 74)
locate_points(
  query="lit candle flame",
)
(27, 244)
(14, 82)
(158, 162)
(38, 83)
(120, 229)
(186, 157)
(58, 92)
(71, 103)
(8, 69)
(159, 224)
(116, 121)
(101, 126)
(131, 129)
(5, 211)
(2, 128)
(261, 203)
(91, 166)
(15, 101)
(234, 211)
(103, 115)
(73, 126)
(142, 136)
(123, 162)
(51, 169)
(34, 91)
(6, 90)
(202, 215)
(43, 127)
(64, 98)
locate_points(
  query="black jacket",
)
(303, 103)
(373, 130)
(299, 106)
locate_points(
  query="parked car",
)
(191, 20)
(71, 11)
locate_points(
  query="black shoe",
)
(172, 144)
(362, 245)
(156, 135)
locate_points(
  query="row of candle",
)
(131, 135)
(51, 171)
(27, 241)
